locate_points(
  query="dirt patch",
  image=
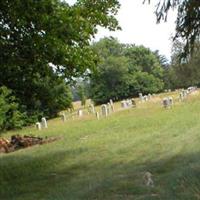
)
(17, 142)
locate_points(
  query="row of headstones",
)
(42, 124)
(106, 109)
(80, 113)
(184, 93)
(145, 97)
(128, 103)
(168, 101)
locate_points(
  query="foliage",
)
(187, 23)
(183, 74)
(111, 81)
(124, 71)
(10, 116)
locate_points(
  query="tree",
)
(124, 71)
(186, 73)
(187, 23)
(111, 81)
(44, 41)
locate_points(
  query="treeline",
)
(124, 70)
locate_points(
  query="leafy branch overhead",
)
(187, 23)
(52, 31)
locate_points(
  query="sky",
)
(138, 23)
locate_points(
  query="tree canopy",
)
(45, 44)
(124, 71)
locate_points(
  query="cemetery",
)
(100, 100)
(80, 151)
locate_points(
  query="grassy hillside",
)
(106, 158)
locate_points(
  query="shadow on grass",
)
(54, 176)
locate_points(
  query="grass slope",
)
(106, 159)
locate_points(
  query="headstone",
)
(63, 117)
(133, 102)
(108, 108)
(181, 97)
(130, 103)
(38, 126)
(91, 108)
(44, 122)
(149, 96)
(123, 104)
(97, 115)
(166, 102)
(140, 96)
(145, 98)
(104, 110)
(80, 113)
(111, 102)
(171, 102)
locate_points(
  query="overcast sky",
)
(139, 26)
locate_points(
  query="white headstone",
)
(111, 102)
(140, 96)
(44, 122)
(38, 125)
(80, 113)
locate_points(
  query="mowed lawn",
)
(107, 158)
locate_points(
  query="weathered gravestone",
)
(104, 110)
(166, 102)
(133, 102)
(91, 108)
(38, 125)
(181, 97)
(123, 104)
(44, 122)
(141, 97)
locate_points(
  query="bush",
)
(10, 116)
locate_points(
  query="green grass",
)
(106, 158)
